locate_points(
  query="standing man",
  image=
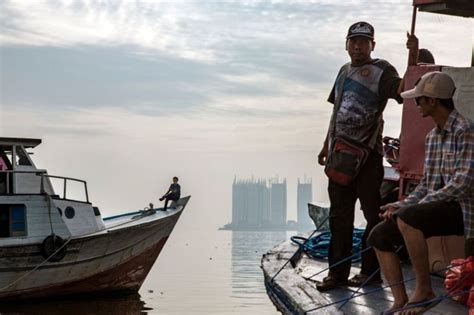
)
(173, 193)
(442, 203)
(359, 95)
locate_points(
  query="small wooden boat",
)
(293, 290)
(54, 245)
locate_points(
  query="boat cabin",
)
(30, 208)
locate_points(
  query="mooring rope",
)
(446, 296)
(340, 262)
(37, 266)
(298, 251)
(366, 281)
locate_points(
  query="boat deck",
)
(138, 217)
(292, 294)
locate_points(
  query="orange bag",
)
(459, 281)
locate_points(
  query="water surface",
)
(198, 272)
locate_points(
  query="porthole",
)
(60, 211)
(70, 212)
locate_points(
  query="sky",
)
(127, 94)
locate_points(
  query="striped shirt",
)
(449, 168)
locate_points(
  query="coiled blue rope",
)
(318, 246)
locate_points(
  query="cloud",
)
(190, 58)
(99, 77)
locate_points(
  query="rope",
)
(318, 246)
(340, 262)
(37, 266)
(447, 295)
(299, 249)
(365, 282)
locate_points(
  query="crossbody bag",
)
(347, 156)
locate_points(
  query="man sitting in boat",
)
(173, 193)
(442, 203)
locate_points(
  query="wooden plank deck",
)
(292, 294)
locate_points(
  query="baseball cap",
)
(361, 29)
(434, 84)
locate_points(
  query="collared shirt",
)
(449, 168)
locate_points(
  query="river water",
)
(199, 271)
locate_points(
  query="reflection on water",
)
(247, 277)
(125, 304)
(199, 272)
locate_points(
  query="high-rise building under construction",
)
(304, 196)
(258, 204)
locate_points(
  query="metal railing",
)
(43, 175)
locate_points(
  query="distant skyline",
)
(127, 94)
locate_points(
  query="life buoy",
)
(50, 245)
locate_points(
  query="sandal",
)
(329, 283)
(361, 279)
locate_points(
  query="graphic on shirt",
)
(359, 108)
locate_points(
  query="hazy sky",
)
(126, 94)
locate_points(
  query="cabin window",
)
(12, 220)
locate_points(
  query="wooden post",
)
(413, 55)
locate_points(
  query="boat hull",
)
(117, 260)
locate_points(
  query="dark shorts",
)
(174, 197)
(440, 218)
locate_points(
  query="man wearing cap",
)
(359, 95)
(442, 203)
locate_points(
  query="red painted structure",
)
(413, 132)
(414, 128)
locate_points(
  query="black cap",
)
(361, 29)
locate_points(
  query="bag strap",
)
(338, 100)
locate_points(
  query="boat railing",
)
(65, 181)
(44, 175)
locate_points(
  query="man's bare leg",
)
(390, 266)
(418, 251)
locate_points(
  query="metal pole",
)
(64, 189)
(412, 56)
(87, 195)
(42, 184)
(413, 19)
(8, 182)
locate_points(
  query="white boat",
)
(52, 245)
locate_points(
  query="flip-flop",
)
(392, 311)
(423, 306)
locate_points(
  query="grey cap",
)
(434, 84)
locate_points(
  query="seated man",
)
(441, 204)
(173, 193)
